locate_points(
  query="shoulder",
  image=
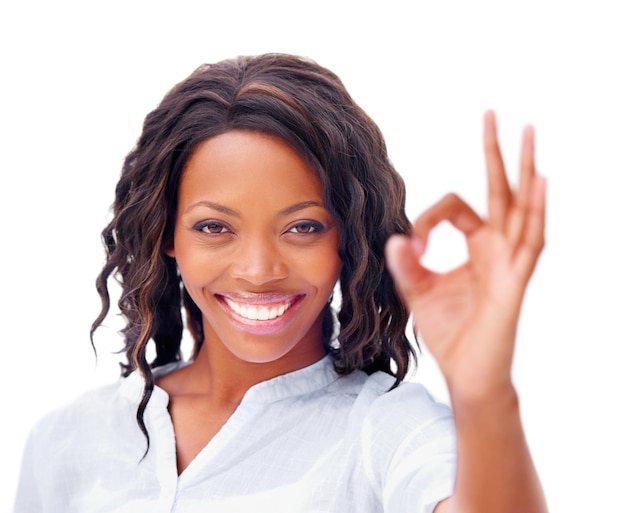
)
(90, 407)
(63, 437)
(408, 445)
(104, 405)
(386, 417)
(94, 416)
(71, 444)
(404, 424)
(407, 419)
(96, 429)
(410, 401)
(384, 404)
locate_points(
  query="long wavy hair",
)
(308, 107)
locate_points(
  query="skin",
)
(468, 319)
(250, 228)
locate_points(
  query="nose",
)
(258, 261)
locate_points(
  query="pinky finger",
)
(533, 239)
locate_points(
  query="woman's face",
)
(256, 249)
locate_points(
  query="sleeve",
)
(28, 499)
(409, 450)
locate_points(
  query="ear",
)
(169, 250)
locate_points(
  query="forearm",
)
(495, 472)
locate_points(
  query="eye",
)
(211, 227)
(306, 227)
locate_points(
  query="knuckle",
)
(452, 198)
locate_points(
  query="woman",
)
(256, 186)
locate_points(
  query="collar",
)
(307, 380)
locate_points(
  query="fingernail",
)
(397, 260)
(418, 246)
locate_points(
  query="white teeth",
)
(258, 313)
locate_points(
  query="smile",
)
(259, 312)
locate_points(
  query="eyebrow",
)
(300, 206)
(214, 206)
(229, 211)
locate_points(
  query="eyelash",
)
(310, 227)
(203, 227)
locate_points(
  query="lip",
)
(260, 327)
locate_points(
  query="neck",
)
(219, 374)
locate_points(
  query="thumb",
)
(403, 261)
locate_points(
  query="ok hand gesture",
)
(468, 316)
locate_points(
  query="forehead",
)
(242, 163)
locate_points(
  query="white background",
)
(78, 78)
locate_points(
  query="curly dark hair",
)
(308, 107)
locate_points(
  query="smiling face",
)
(256, 249)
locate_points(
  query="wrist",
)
(482, 394)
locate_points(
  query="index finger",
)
(450, 208)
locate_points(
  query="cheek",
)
(323, 268)
(193, 286)
(334, 268)
(196, 268)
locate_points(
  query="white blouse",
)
(308, 441)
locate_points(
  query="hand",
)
(468, 317)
